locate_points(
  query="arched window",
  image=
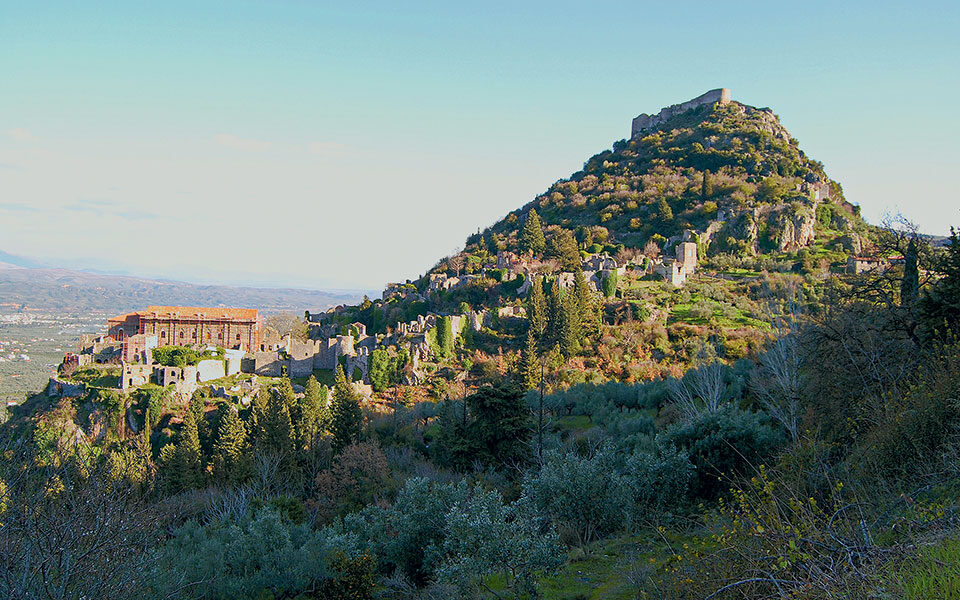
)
(163, 335)
(220, 336)
(181, 335)
(194, 334)
(238, 337)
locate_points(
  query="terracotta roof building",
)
(190, 325)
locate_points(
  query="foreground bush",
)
(254, 556)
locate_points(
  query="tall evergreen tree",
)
(492, 246)
(706, 187)
(311, 415)
(910, 284)
(258, 409)
(531, 237)
(499, 427)
(182, 463)
(379, 370)
(664, 212)
(530, 363)
(568, 336)
(940, 305)
(537, 308)
(198, 406)
(231, 451)
(445, 341)
(609, 284)
(587, 312)
(189, 449)
(554, 316)
(275, 429)
(346, 415)
(564, 248)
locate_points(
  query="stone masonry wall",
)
(645, 122)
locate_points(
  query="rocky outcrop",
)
(852, 243)
(795, 229)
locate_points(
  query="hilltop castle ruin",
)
(645, 122)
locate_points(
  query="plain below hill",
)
(78, 291)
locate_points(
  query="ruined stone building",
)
(645, 122)
(190, 325)
(687, 257)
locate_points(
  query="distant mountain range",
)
(29, 284)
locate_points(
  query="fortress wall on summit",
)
(645, 122)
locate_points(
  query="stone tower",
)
(687, 256)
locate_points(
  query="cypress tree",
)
(564, 248)
(182, 463)
(587, 312)
(910, 284)
(258, 409)
(275, 429)
(170, 471)
(530, 363)
(569, 326)
(445, 336)
(537, 308)
(940, 305)
(379, 369)
(198, 405)
(189, 449)
(346, 415)
(531, 238)
(664, 212)
(609, 284)
(492, 246)
(706, 188)
(231, 462)
(554, 315)
(311, 413)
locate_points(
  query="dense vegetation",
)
(733, 164)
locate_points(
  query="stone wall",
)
(687, 257)
(208, 370)
(183, 379)
(267, 363)
(301, 357)
(60, 387)
(137, 348)
(645, 122)
(134, 375)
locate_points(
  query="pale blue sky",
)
(326, 145)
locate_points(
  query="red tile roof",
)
(121, 318)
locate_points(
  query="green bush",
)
(264, 555)
(181, 356)
(723, 444)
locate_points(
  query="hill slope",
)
(730, 172)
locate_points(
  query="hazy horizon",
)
(321, 147)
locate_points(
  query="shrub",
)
(248, 557)
(359, 475)
(175, 356)
(724, 443)
(608, 284)
(585, 497)
(660, 479)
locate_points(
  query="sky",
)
(344, 145)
